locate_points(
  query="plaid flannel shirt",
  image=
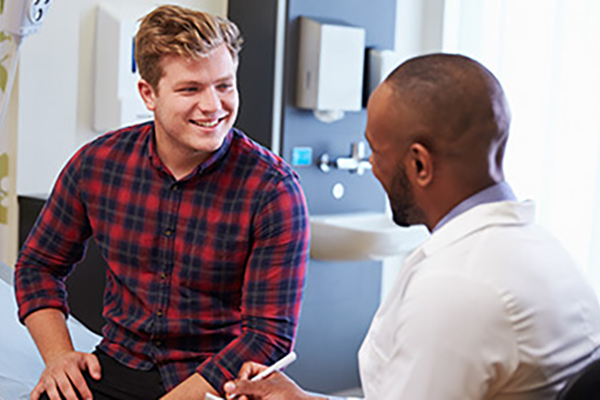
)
(203, 273)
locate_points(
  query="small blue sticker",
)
(302, 156)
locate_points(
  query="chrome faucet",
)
(355, 163)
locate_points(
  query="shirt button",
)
(158, 343)
(159, 313)
(163, 276)
(168, 232)
(175, 188)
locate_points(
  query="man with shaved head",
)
(491, 306)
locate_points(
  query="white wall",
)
(419, 27)
(55, 90)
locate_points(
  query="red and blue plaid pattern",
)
(203, 273)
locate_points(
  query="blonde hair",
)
(175, 30)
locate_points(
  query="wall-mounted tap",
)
(355, 163)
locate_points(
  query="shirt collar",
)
(497, 192)
(209, 162)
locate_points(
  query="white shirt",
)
(490, 307)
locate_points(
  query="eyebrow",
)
(195, 82)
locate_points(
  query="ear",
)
(420, 165)
(147, 92)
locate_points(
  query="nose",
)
(209, 101)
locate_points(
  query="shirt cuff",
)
(214, 375)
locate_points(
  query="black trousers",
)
(119, 382)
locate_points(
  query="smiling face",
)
(195, 105)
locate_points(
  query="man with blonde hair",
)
(204, 232)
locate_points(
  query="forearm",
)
(48, 328)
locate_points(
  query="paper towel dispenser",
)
(380, 64)
(331, 66)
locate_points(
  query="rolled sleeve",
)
(54, 245)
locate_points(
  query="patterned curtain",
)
(8, 212)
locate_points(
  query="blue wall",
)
(341, 297)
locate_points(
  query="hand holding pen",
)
(278, 366)
(252, 382)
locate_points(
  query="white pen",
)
(281, 364)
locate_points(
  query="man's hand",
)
(276, 386)
(49, 331)
(63, 375)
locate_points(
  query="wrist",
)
(54, 354)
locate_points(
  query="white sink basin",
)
(361, 236)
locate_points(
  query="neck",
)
(179, 172)
(178, 161)
(494, 192)
(449, 193)
(179, 165)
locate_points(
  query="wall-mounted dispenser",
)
(381, 63)
(117, 101)
(331, 68)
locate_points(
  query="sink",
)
(361, 236)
